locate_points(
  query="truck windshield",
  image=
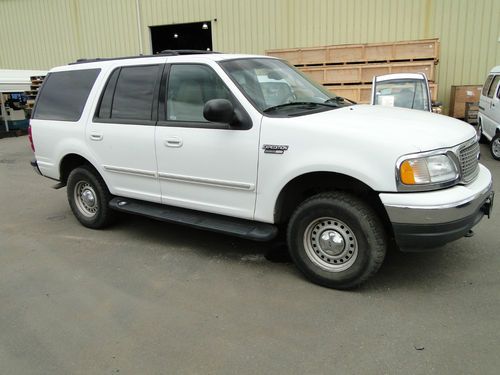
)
(273, 85)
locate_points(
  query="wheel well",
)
(70, 162)
(307, 185)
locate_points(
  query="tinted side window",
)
(64, 94)
(133, 98)
(493, 86)
(487, 85)
(189, 88)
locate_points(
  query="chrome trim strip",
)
(444, 206)
(130, 171)
(206, 181)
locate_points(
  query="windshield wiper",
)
(279, 106)
(339, 99)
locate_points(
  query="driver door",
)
(203, 165)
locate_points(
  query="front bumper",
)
(430, 219)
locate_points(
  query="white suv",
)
(248, 146)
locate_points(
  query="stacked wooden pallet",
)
(348, 70)
(36, 83)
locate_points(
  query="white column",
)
(139, 25)
(4, 112)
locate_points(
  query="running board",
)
(252, 230)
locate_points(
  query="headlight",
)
(431, 170)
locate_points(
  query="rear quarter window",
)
(64, 94)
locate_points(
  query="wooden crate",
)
(363, 93)
(303, 56)
(364, 73)
(461, 95)
(425, 49)
(471, 112)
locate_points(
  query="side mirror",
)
(219, 110)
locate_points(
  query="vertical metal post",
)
(4, 112)
(139, 25)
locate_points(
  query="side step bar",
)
(252, 230)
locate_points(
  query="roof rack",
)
(167, 52)
(177, 52)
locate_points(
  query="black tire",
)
(481, 138)
(344, 264)
(89, 197)
(495, 147)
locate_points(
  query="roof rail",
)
(177, 52)
(167, 52)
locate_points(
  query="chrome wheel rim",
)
(86, 199)
(495, 147)
(330, 244)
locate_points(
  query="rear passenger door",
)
(121, 133)
(204, 165)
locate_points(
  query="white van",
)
(489, 112)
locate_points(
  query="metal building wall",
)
(39, 34)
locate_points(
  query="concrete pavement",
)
(145, 297)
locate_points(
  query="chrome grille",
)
(469, 165)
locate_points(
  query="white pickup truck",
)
(248, 146)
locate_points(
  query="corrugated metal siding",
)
(39, 34)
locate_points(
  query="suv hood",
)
(424, 130)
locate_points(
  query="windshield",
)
(274, 85)
(406, 93)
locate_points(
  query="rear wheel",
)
(88, 197)
(495, 147)
(336, 240)
(480, 137)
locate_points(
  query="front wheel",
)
(336, 240)
(495, 147)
